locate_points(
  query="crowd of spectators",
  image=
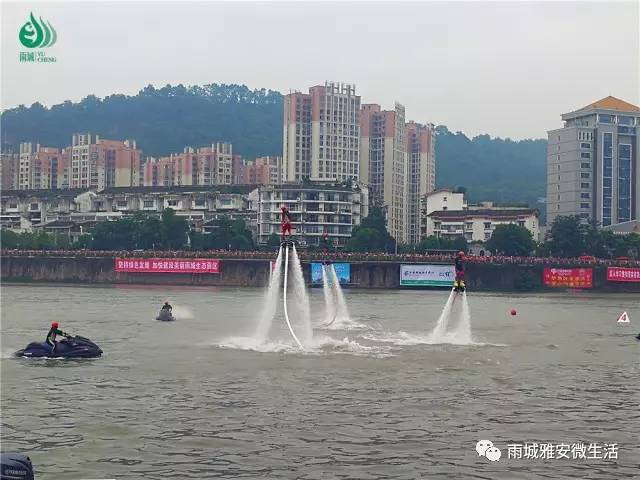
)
(349, 257)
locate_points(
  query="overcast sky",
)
(504, 68)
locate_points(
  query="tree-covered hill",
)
(162, 121)
(165, 120)
(495, 169)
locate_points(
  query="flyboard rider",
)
(325, 246)
(285, 222)
(458, 284)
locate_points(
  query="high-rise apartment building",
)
(40, 167)
(321, 138)
(97, 163)
(421, 174)
(592, 163)
(383, 159)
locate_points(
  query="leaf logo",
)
(34, 34)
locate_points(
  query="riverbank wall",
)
(255, 273)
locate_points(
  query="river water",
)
(371, 400)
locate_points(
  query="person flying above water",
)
(285, 221)
(458, 284)
(53, 333)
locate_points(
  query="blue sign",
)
(343, 272)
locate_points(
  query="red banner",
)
(164, 265)
(568, 277)
(620, 274)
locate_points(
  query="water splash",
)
(329, 310)
(271, 298)
(181, 312)
(302, 315)
(342, 312)
(439, 331)
(461, 334)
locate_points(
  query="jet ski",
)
(15, 466)
(72, 347)
(165, 316)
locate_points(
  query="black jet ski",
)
(15, 466)
(165, 316)
(72, 347)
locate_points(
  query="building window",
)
(584, 175)
(172, 203)
(586, 196)
(33, 206)
(487, 235)
(585, 145)
(585, 185)
(585, 165)
(148, 203)
(605, 118)
(487, 225)
(585, 155)
(625, 120)
(13, 205)
(584, 205)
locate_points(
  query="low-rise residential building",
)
(477, 225)
(316, 208)
(197, 204)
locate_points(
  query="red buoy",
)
(513, 311)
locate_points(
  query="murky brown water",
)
(167, 401)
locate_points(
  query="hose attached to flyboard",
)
(286, 314)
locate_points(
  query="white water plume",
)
(461, 334)
(342, 312)
(271, 298)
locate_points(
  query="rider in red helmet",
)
(53, 332)
(458, 284)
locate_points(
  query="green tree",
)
(173, 230)
(567, 236)
(511, 240)
(371, 235)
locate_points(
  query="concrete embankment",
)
(255, 273)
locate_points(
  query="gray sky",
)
(504, 68)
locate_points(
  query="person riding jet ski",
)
(166, 306)
(53, 333)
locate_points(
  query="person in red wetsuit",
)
(459, 285)
(285, 222)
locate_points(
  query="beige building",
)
(592, 164)
(40, 167)
(421, 174)
(210, 165)
(97, 163)
(321, 133)
(477, 225)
